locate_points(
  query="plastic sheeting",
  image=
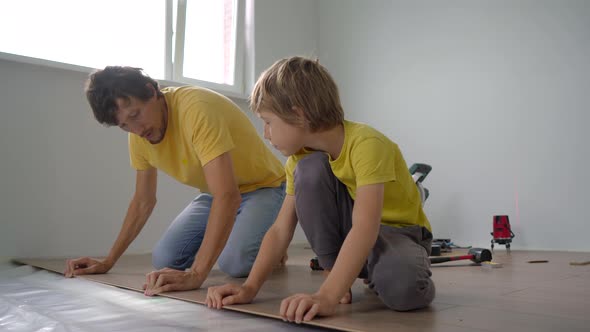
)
(37, 300)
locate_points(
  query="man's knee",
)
(235, 266)
(166, 258)
(237, 260)
(161, 259)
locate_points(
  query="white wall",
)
(284, 28)
(65, 181)
(493, 94)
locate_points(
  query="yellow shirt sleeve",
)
(208, 132)
(373, 162)
(289, 170)
(136, 154)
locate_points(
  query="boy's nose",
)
(266, 133)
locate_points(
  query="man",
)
(203, 140)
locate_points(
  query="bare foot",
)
(347, 298)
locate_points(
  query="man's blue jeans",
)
(181, 241)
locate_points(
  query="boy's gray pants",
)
(398, 267)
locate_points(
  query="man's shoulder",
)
(191, 99)
(187, 91)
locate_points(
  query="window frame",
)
(177, 70)
(173, 67)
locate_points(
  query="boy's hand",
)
(228, 294)
(166, 280)
(304, 307)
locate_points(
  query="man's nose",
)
(138, 129)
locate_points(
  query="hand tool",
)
(476, 255)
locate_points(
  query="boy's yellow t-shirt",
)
(369, 157)
(202, 125)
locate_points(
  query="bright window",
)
(207, 45)
(186, 41)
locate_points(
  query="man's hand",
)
(304, 307)
(166, 280)
(85, 265)
(228, 294)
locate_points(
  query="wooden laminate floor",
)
(520, 296)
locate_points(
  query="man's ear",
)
(152, 89)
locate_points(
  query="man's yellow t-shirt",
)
(202, 125)
(369, 157)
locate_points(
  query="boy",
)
(349, 187)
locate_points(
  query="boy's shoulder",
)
(293, 159)
(357, 133)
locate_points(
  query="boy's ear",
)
(301, 115)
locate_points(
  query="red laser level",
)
(502, 233)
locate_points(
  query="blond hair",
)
(302, 83)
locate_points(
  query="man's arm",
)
(273, 247)
(140, 208)
(366, 220)
(219, 174)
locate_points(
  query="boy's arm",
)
(366, 220)
(274, 245)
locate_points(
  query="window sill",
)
(87, 70)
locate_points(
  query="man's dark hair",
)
(105, 86)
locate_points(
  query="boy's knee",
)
(400, 296)
(310, 170)
(403, 286)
